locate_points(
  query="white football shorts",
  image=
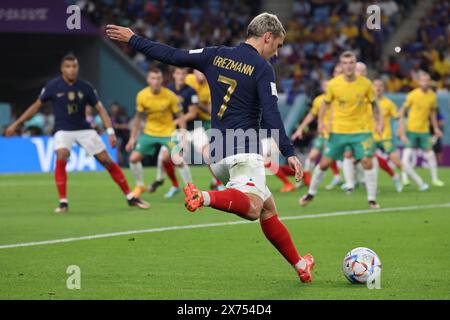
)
(244, 172)
(88, 139)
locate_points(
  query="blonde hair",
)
(265, 22)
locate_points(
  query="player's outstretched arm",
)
(197, 59)
(401, 125)
(378, 116)
(106, 123)
(134, 131)
(24, 117)
(298, 134)
(321, 126)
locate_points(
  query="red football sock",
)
(278, 172)
(335, 168)
(306, 177)
(61, 178)
(230, 200)
(117, 175)
(288, 170)
(170, 170)
(277, 233)
(385, 165)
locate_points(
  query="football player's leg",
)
(138, 171)
(279, 173)
(277, 233)
(271, 155)
(383, 164)
(334, 150)
(316, 180)
(310, 164)
(406, 163)
(426, 145)
(63, 143)
(348, 167)
(363, 150)
(159, 168)
(62, 156)
(170, 168)
(216, 184)
(160, 173)
(245, 188)
(115, 172)
(183, 168)
(393, 156)
(146, 145)
(319, 173)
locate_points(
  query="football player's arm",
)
(31, 111)
(378, 117)
(197, 59)
(205, 107)
(135, 128)
(401, 131)
(192, 113)
(321, 125)
(298, 134)
(106, 123)
(271, 117)
(434, 122)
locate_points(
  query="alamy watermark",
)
(74, 280)
(73, 21)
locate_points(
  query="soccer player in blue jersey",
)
(70, 96)
(244, 95)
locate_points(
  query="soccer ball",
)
(359, 264)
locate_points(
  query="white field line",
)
(220, 224)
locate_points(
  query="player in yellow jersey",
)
(384, 141)
(319, 142)
(198, 136)
(158, 106)
(421, 105)
(347, 94)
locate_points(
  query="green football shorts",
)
(386, 145)
(319, 143)
(419, 140)
(148, 144)
(361, 145)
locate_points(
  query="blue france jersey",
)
(187, 97)
(69, 102)
(243, 92)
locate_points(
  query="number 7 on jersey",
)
(232, 86)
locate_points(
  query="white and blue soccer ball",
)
(359, 264)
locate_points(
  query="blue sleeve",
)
(271, 117)
(46, 93)
(197, 59)
(92, 97)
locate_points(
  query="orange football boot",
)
(194, 197)
(305, 275)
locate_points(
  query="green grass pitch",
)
(222, 262)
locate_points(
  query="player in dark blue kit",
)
(69, 97)
(244, 94)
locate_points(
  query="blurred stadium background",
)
(35, 37)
